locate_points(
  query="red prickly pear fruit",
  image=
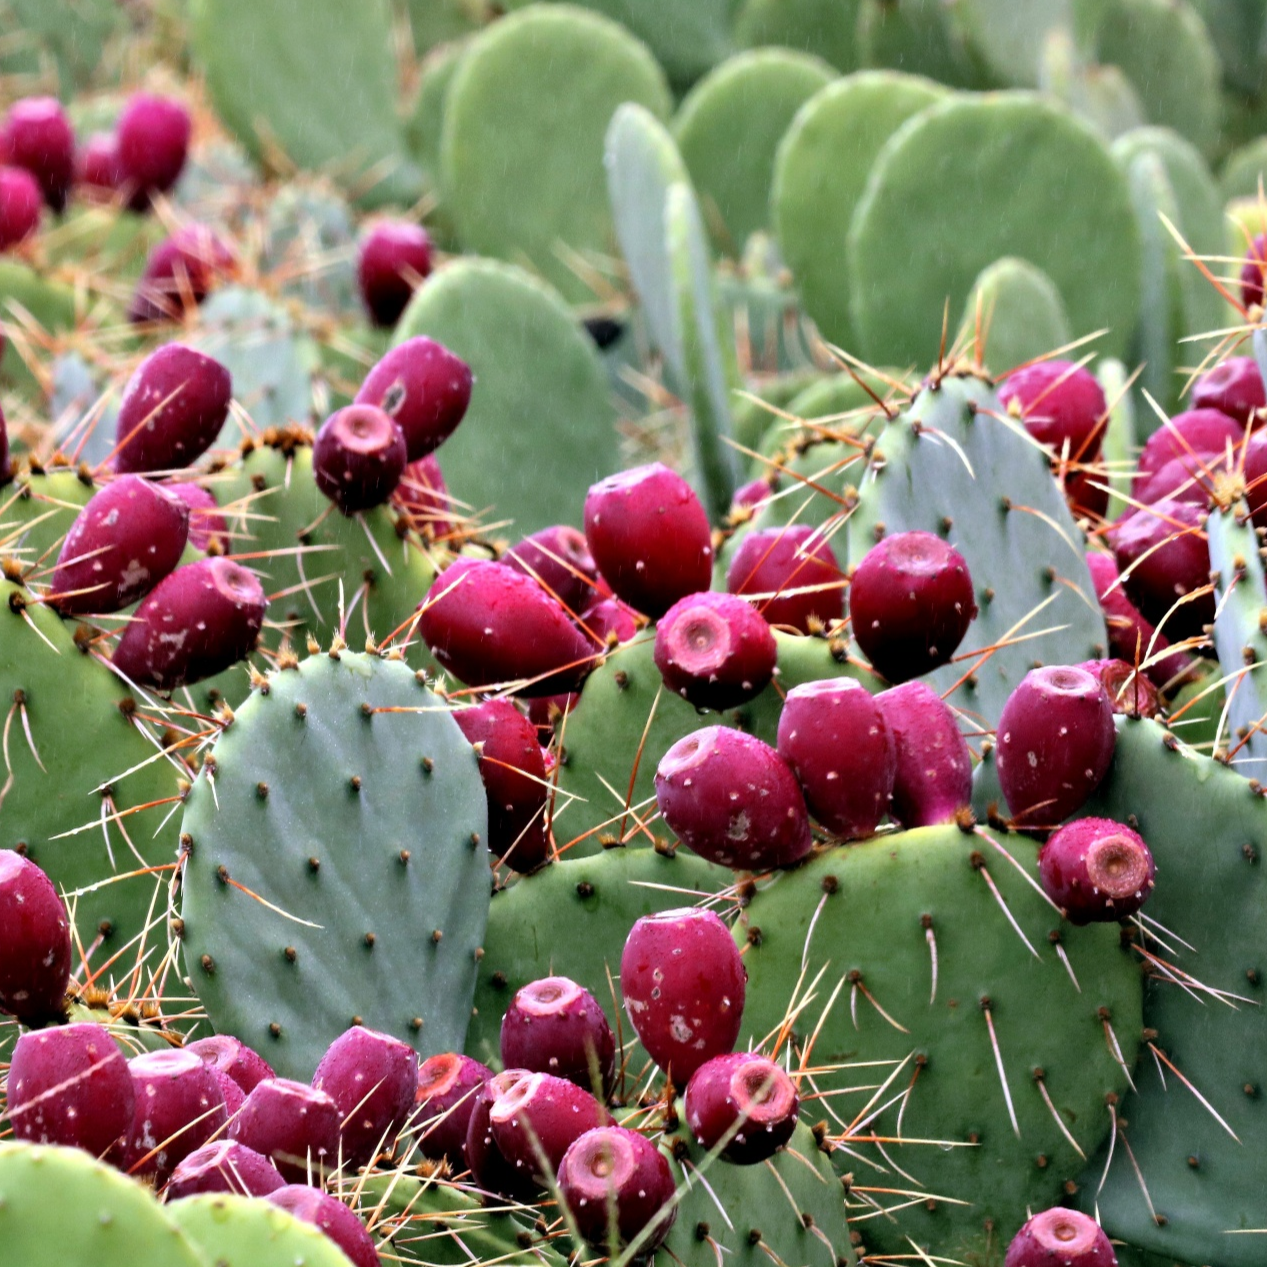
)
(536, 1121)
(208, 530)
(6, 463)
(358, 458)
(612, 1178)
(488, 624)
(331, 1216)
(1061, 404)
(180, 272)
(153, 139)
(234, 1096)
(128, 537)
(424, 497)
(1131, 637)
(70, 1085)
(684, 984)
(179, 1108)
(233, 1057)
(35, 951)
(1096, 870)
(714, 650)
(1055, 743)
(424, 387)
(746, 1100)
(1164, 556)
(1233, 387)
(172, 410)
(1252, 272)
(649, 536)
(1060, 1238)
(556, 1026)
(197, 622)
(545, 710)
(394, 261)
(732, 799)
(373, 1079)
(559, 559)
(489, 1166)
(514, 773)
(1131, 694)
(1186, 479)
(751, 496)
(1188, 435)
(447, 1088)
(910, 604)
(38, 137)
(793, 575)
(933, 778)
(834, 736)
(294, 1124)
(98, 170)
(1087, 492)
(224, 1166)
(610, 622)
(21, 206)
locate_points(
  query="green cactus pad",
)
(26, 298)
(1021, 315)
(346, 798)
(74, 36)
(541, 426)
(1207, 829)
(729, 128)
(954, 452)
(437, 22)
(36, 512)
(1010, 34)
(95, 761)
(869, 915)
(789, 1209)
(60, 1206)
(919, 38)
(1244, 171)
(513, 190)
(234, 1231)
(820, 173)
(424, 131)
(571, 919)
(825, 28)
(753, 419)
(1028, 180)
(310, 238)
(1236, 28)
(313, 79)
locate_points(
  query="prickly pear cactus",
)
(335, 865)
(240, 1232)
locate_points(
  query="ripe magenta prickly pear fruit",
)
(752, 495)
(556, 1026)
(1233, 387)
(792, 575)
(559, 559)
(1186, 479)
(535, 1122)
(153, 139)
(615, 1180)
(358, 458)
(445, 1099)
(395, 259)
(197, 622)
(332, 1217)
(514, 772)
(746, 1100)
(97, 168)
(1130, 693)
(683, 983)
(234, 1096)
(295, 1125)
(649, 536)
(834, 736)
(21, 206)
(489, 624)
(424, 497)
(180, 273)
(732, 799)
(172, 410)
(1060, 1238)
(35, 951)
(424, 387)
(179, 1108)
(70, 1085)
(1186, 435)
(1060, 403)
(125, 540)
(233, 1057)
(1163, 556)
(224, 1166)
(37, 136)
(933, 776)
(610, 622)
(1096, 870)
(207, 528)
(490, 1168)
(714, 650)
(373, 1079)
(910, 603)
(1252, 272)
(1055, 743)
